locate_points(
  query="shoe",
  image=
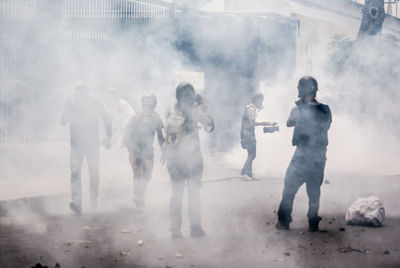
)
(313, 224)
(176, 234)
(254, 178)
(282, 225)
(197, 232)
(75, 208)
(247, 177)
(140, 204)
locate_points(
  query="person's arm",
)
(265, 124)
(107, 125)
(128, 134)
(330, 118)
(291, 122)
(106, 121)
(66, 114)
(160, 134)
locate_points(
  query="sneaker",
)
(197, 232)
(176, 234)
(140, 204)
(313, 224)
(282, 225)
(247, 177)
(75, 208)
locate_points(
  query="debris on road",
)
(386, 252)
(286, 253)
(366, 211)
(342, 229)
(179, 255)
(349, 250)
(124, 253)
(140, 243)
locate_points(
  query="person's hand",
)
(163, 159)
(107, 143)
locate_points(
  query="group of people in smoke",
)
(179, 142)
(178, 138)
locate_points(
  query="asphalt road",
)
(238, 217)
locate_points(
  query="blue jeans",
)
(305, 168)
(78, 153)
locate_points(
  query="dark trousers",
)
(142, 166)
(191, 176)
(78, 153)
(251, 155)
(307, 169)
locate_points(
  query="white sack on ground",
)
(367, 211)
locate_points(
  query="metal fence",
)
(113, 9)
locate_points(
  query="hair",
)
(307, 85)
(256, 95)
(183, 90)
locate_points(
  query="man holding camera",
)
(247, 132)
(311, 121)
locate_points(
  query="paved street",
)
(238, 217)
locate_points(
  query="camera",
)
(271, 129)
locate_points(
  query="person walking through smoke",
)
(311, 121)
(184, 157)
(83, 114)
(138, 139)
(247, 133)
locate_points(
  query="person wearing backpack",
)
(184, 157)
(138, 139)
(311, 121)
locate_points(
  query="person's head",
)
(257, 99)
(185, 94)
(81, 89)
(149, 103)
(307, 87)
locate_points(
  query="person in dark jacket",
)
(83, 114)
(311, 121)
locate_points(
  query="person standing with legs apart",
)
(311, 121)
(139, 137)
(184, 157)
(83, 114)
(247, 133)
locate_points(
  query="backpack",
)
(173, 128)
